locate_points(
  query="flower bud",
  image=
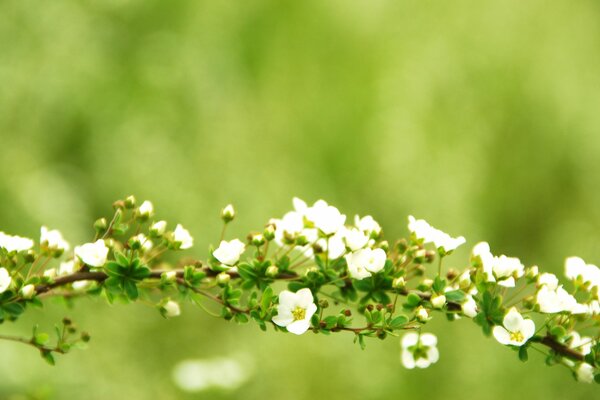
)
(170, 309)
(145, 211)
(223, 278)
(451, 274)
(532, 272)
(169, 276)
(50, 273)
(323, 303)
(438, 301)
(101, 225)
(158, 228)
(130, 202)
(272, 271)
(119, 205)
(347, 313)
(401, 246)
(384, 245)
(228, 214)
(399, 283)
(269, 232)
(85, 337)
(257, 239)
(422, 314)
(28, 291)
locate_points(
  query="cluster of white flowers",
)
(52, 241)
(15, 243)
(500, 269)
(419, 350)
(321, 228)
(426, 233)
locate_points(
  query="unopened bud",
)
(323, 303)
(101, 225)
(130, 202)
(422, 314)
(158, 228)
(169, 276)
(438, 301)
(269, 232)
(28, 291)
(399, 283)
(145, 210)
(228, 214)
(272, 271)
(223, 278)
(257, 239)
(532, 272)
(384, 245)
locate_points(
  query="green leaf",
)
(47, 355)
(455, 295)
(130, 288)
(523, 353)
(265, 301)
(398, 322)
(413, 299)
(121, 258)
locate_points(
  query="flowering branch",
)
(310, 271)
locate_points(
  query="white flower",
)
(158, 228)
(171, 309)
(52, 240)
(228, 253)
(364, 262)
(146, 210)
(80, 285)
(5, 280)
(469, 307)
(334, 246)
(355, 239)
(145, 243)
(585, 373)
(438, 301)
(419, 350)
(325, 217)
(15, 243)
(558, 300)
(28, 291)
(66, 267)
(93, 254)
(549, 280)
(367, 224)
(50, 273)
(295, 310)
(582, 345)
(500, 269)
(182, 237)
(441, 240)
(576, 268)
(516, 330)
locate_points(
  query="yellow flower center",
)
(299, 313)
(516, 336)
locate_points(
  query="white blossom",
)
(67, 267)
(365, 262)
(326, 218)
(228, 253)
(428, 234)
(581, 344)
(228, 213)
(367, 224)
(52, 240)
(419, 350)
(558, 300)
(355, 239)
(183, 237)
(501, 269)
(422, 314)
(549, 280)
(15, 243)
(516, 330)
(145, 243)
(576, 268)
(92, 254)
(146, 209)
(469, 307)
(158, 228)
(585, 373)
(5, 280)
(295, 310)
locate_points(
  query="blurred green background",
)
(482, 117)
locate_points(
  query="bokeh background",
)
(481, 117)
